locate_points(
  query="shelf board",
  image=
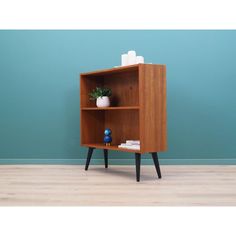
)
(118, 69)
(111, 147)
(109, 108)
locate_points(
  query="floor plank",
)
(70, 185)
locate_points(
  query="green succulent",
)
(100, 92)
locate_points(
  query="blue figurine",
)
(107, 138)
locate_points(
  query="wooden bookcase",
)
(137, 111)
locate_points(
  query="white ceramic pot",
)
(103, 101)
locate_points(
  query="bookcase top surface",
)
(116, 69)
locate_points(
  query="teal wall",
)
(39, 92)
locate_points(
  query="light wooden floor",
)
(66, 185)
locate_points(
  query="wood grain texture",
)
(93, 125)
(87, 84)
(152, 89)
(124, 125)
(70, 185)
(125, 88)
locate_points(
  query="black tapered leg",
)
(106, 157)
(156, 163)
(90, 152)
(138, 163)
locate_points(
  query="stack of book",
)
(131, 144)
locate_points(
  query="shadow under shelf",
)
(110, 108)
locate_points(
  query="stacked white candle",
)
(124, 59)
(130, 58)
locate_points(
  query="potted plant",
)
(101, 95)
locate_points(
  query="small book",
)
(135, 142)
(135, 147)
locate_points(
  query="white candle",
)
(139, 59)
(131, 57)
(124, 59)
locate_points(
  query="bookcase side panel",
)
(152, 89)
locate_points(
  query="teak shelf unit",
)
(137, 111)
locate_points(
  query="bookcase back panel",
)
(124, 88)
(124, 125)
(87, 84)
(92, 126)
